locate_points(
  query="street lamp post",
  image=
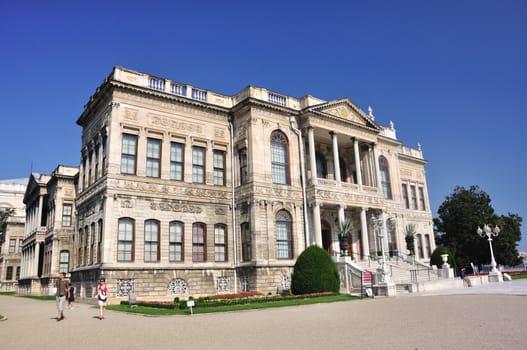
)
(377, 227)
(494, 274)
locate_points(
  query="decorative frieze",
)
(130, 114)
(176, 190)
(175, 125)
(176, 207)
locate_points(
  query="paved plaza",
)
(492, 316)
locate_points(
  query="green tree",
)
(315, 271)
(458, 219)
(506, 244)
(5, 213)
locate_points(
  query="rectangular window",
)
(125, 242)
(422, 204)
(90, 168)
(9, 273)
(198, 164)
(198, 242)
(12, 245)
(96, 165)
(99, 241)
(428, 249)
(405, 196)
(103, 156)
(246, 242)
(243, 166)
(283, 242)
(66, 215)
(413, 195)
(151, 241)
(176, 161)
(64, 261)
(219, 168)
(92, 244)
(176, 242)
(128, 154)
(17, 277)
(220, 243)
(153, 157)
(20, 245)
(420, 246)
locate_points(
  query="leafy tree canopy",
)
(458, 219)
(5, 213)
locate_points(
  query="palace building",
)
(49, 229)
(12, 232)
(184, 191)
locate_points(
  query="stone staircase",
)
(407, 275)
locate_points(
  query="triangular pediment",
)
(345, 109)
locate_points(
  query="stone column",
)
(341, 213)
(316, 225)
(335, 156)
(364, 232)
(384, 229)
(40, 206)
(312, 155)
(357, 162)
(81, 185)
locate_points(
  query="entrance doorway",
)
(326, 237)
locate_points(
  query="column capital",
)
(333, 133)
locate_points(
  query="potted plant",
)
(410, 237)
(343, 229)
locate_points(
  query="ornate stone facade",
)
(11, 198)
(50, 222)
(186, 192)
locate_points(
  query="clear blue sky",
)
(452, 75)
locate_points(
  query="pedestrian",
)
(61, 286)
(102, 296)
(71, 296)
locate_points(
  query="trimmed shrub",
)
(315, 272)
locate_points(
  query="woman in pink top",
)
(102, 296)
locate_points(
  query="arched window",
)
(151, 240)
(175, 244)
(125, 243)
(246, 242)
(199, 252)
(385, 178)
(322, 169)
(279, 158)
(284, 243)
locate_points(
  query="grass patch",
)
(152, 311)
(519, 276)
(7, 293)
(39, 297)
